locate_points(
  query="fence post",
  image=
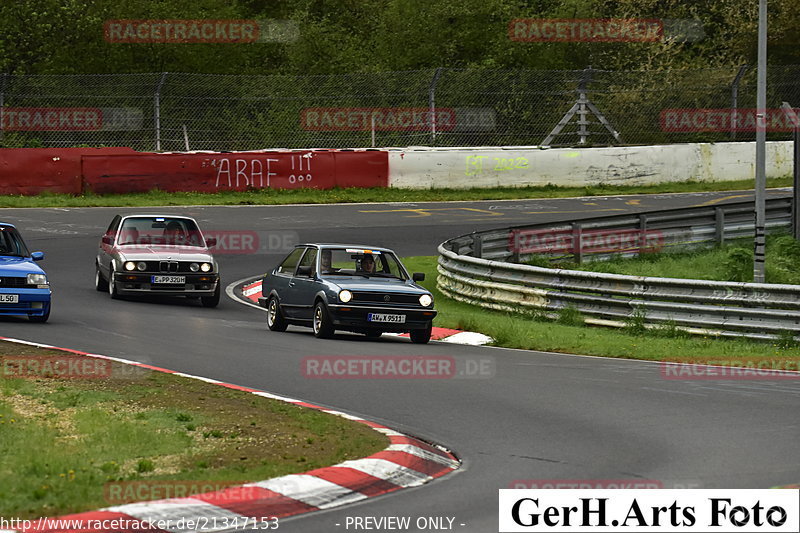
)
(719, 225)
(2, 105)
(432, 103)
(583, 99)
(796, 188)
(791, 114)
(157, 110)
(735, 99)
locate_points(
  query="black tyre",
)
(323, 326)
(41, 318)
(211, 301)
(421, 336)
(275, 320)
(100, 283)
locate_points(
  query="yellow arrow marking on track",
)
(426, 212)
(718, 200)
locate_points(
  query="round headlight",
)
(425, 300)
(205, 267)
(141, 266)
(130, 265)
(345, 296)
(194, 267)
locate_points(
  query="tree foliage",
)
(66, 36)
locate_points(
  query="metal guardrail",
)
(475, 268)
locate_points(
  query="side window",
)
(310, 259)
(290, 263)
(112, 228)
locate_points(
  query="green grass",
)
(535, 332)
(356, 195)
(65, 442)
(732, 262)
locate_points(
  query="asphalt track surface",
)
(541, 416)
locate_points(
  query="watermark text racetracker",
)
(237, 242)
(634, 510)
(194, 523)
(397, 367)
(733, 369)
(121, 492)
(192, 31)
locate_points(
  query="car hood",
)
(143, 252)
(18, 266)
(377, 285)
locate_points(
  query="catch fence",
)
(436, 107)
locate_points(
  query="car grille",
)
(15, 282)
(381, 297)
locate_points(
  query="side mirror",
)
(37, 256)
(211, 242)
(418, 276)
(304, 271)
(108, 239)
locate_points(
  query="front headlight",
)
(130, 265)
(205, 267)
(37, 279)
(194, 267)
(425, 300)
(345, 296)
(141, 266)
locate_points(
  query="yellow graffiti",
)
(475, 164)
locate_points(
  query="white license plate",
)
(168, 279)
(380, 317)
(9, 298)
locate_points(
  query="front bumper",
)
(129, 283)
(32, 302)
(355, 317)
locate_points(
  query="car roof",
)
(8, 224)
(341, 245)
(160, 215)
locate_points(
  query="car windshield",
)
(11, 243)
(160, 230)
(360, 262)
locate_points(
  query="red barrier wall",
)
(212, 172)
(31, 171)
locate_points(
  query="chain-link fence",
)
(439, 107)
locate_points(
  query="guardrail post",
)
(477, 245)
(514, 241)
(719, 226)
(642, 233)
(577, 242)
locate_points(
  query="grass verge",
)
(731, 262)
(567, 335)
(358, 195)
(75, 444)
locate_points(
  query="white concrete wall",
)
(423, 168)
